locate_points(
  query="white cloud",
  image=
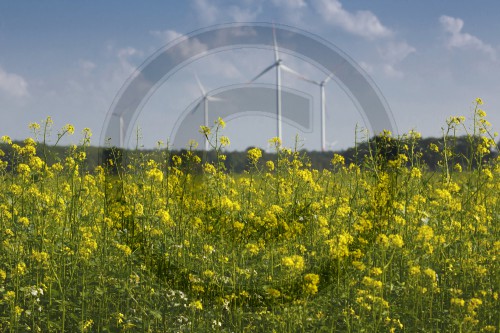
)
(362, 23)
(207, 12)
(458, 39)
(239, 14)
(189, 47)
(396, 51)
(166, 36)
(13, 84)
(392, 54)
(86, 66)
(292, 4)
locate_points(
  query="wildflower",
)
(252, 248)
(238, 226)
(372, 283)
(124, 248)
(376, 271)
(270, 165)
(433, 147)
(416, 173)
(276, 142)
(9, 295)
(479, 101)
(220, 122)
(414, 270)
(430, 273)
(208, 248)
(396, 241)
(196, 305)
(383, 240)
(311, 283)
(224, 141)
(34, 126)
(294, 263)
(20, 269)
(6, 139)
(273, 292)
(359, 265)
(68, 128)
(339, 246)
(209, 168)
(338, 159)
(254, 155)
(24, 221)
(205, 130)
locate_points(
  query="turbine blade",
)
(328, 78)
(275, 45)
(200, 85)
(263, 72)
(296, 74)
(215, 99)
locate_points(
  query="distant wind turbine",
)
(322, 103)
(278, 64)
(205, 98)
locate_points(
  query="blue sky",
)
(68, 60)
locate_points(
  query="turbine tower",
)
(278, 64)
(205, 98)
(322, 103)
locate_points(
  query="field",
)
(384, 245)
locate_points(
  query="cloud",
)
(392, 54)
(396, 51)
(291, 4)
(188, 48)
(207, 12)
(13, 84)
(239, 14)
(458, 39)
(362, 23)
(166, 36)
(86, 66)
(292, 10)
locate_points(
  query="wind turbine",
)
(205, 98)
(278, 64)
(322, 102)
(121, 129)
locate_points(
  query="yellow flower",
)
(270, 165)
(294, 263)
(124, 248)
(205, 130)
(479, 101)
(24, 221)
(254, 155)
(273, 292)
(396, 241)
(224, 141)
(338, 159)
(414, 270)
(220, 122)
(196, 305)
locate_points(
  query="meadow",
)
(156, 245)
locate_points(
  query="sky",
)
(70, 59)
